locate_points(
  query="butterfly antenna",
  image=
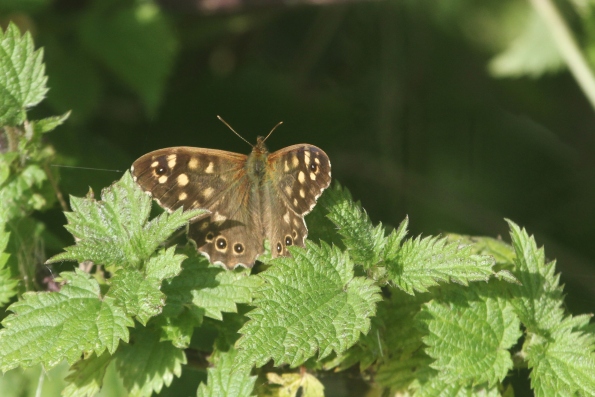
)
(234, 131)
(274, 128)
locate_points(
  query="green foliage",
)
(312, 293)
(114, 232)
(222, 380)
(421, 316)
(560, 350)
(22, 76)
(470, 337)
(50, 327)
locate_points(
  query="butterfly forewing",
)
(188, 177)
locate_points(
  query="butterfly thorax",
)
(257, 161)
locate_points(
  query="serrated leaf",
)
(470, 335)
(136, 43)
(364, 241)
(49, 123)
(539, 297)
(423, 263)
(86, 376)
(565, 363)
(114, 231)
(22, 75)
(48, 327)
(209, 288)
(309, 302)
(223, 380)
(140, 294)
(148, 364)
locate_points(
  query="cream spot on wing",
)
(204, 225)
(208, 192)
(154, 164)
(288, 190)
(307, 158)
(286, 217)
(132, 168)
(302, 193)
(171, 160)
(217, 217)
(317, 160)
(224, 177)
(312, 176)
(195, 204)
(182, 180)
(211, 168)
(286, 167)
(295, 161)
(193, 163)
(295, 202)
(301, 177)
(296, 222)
(183, 196)
(162, 179)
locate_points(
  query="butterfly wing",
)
(297, 176)
(191, 177)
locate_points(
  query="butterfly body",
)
(250, 198)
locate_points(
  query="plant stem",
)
(568, 47)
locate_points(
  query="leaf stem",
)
(568, 47)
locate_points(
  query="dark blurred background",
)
(456, 113)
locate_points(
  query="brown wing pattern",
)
(298, 175)
(191, 177)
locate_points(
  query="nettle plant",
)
(425, 316)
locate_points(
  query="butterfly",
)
(250, 198)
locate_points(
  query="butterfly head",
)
(260, 148)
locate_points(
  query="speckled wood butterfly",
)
(251, 198)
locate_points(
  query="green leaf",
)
(22, 75)
(223, 380)
(49, 123)
(313, 293)
(148, 364)
(533, 53)
(469, 336)
(537, 301)
(48, 327)
(8, 285)
(564, 365)
(210, 289)
(86, 376)
(364, 241)
(422, 263)
(137, 44)
(140, 295)
(115, 231)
